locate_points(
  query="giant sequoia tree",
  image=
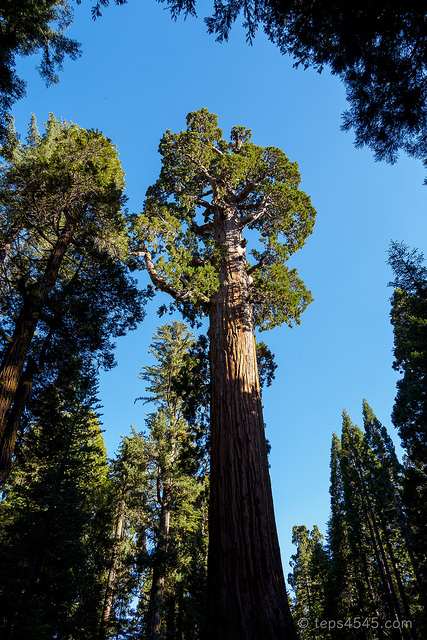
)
(191, 238)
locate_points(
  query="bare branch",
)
(204, 203)
(259, 264)
(214, 148)
(159, 281)
(202, 229)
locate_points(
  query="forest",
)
(157, 458)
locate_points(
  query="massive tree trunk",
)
(246, 590)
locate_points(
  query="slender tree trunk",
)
(7, 442)
(109, 592)
(406, 535)
(159, 570)
(8, 242)
(382, 558)
(246, 597)
(412, 632)
(16, 352)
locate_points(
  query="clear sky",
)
(140, 74)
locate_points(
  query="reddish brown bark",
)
(7, 442)
(34, 300)
(246, 590)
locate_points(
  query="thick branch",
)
(204, 203)
(259, 264)
(249, 188)
(214, 148)
(256, 215)
(203, 229)
(161, 283)
(205, 172)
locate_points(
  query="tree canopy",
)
(378, 52)
(179, 233)
(63, 252)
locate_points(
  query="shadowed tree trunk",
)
(157, 592)
(109, 592)
(16, 352)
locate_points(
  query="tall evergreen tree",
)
(409, 320)
(308, 580)
(160, 537)
(55, 518)
(124, 578)
(176, 472)
(382, 580)
(365, 582)
(63, 246)
(190, 237)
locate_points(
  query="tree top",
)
(209, 186)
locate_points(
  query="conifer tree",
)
(308, 579)
(55, 518)
(63, 247)
(176, 471)
(409, 320)
(378, 567)
(190, 236)
(160, 537)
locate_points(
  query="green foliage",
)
(367, 570)
(379, 55)
(27, 28)
(204, 180)
(161, 475)
(308, 578)
(64, 246)
(409, 320)
(56, 517)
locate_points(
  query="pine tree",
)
(202, 264)
(409, 320)
(308, 580)
(366, 538)
(55, 518)
(160, 537)
(63, 247)
(176, 472)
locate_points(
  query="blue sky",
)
(140, 74)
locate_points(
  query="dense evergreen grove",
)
(371, 572)
(175, 537)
